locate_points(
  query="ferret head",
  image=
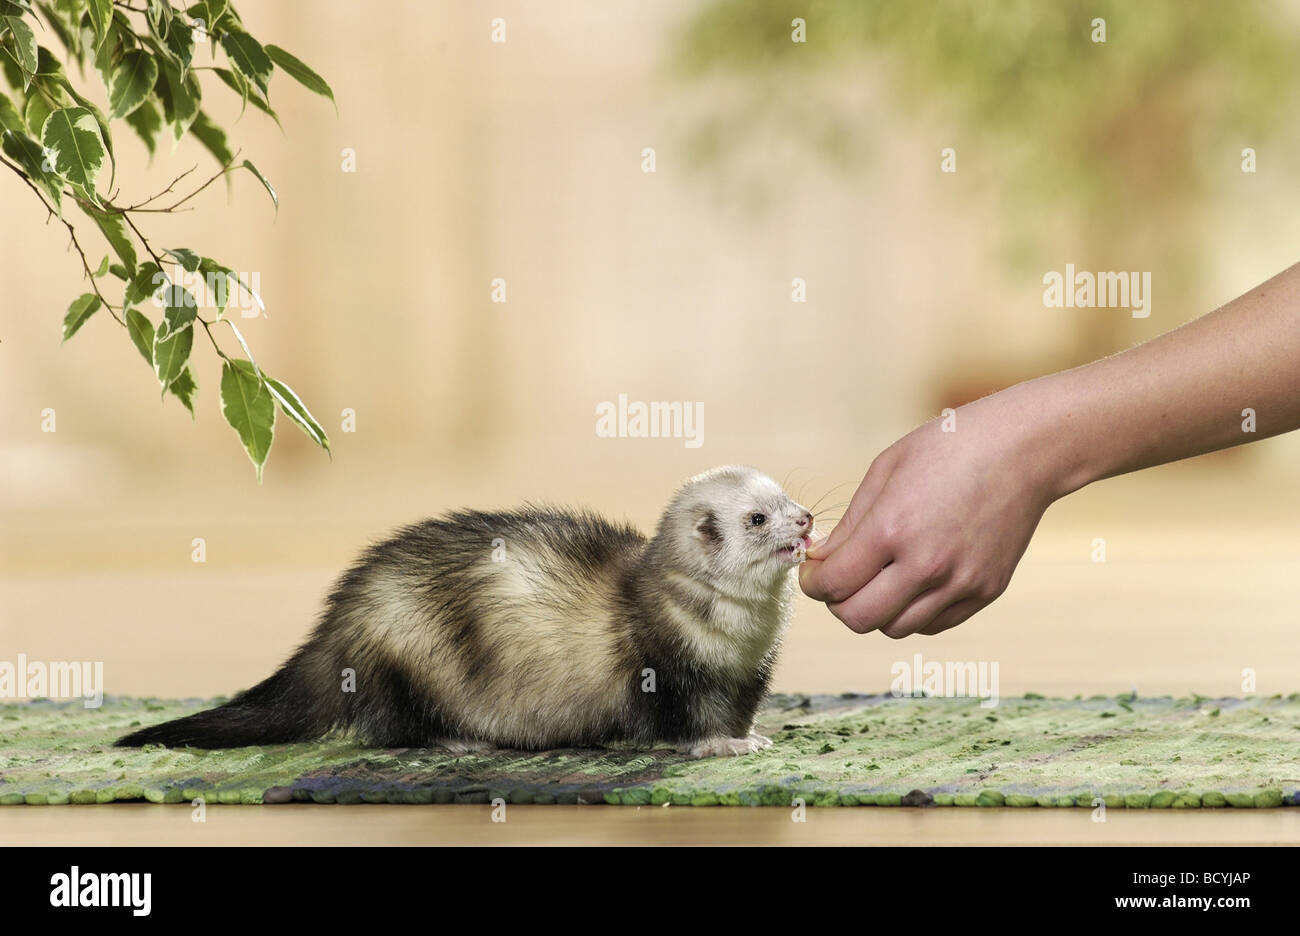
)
(736, 527)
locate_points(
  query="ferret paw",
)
(726, 747)
(458, 747)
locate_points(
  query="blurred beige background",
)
(522, 160)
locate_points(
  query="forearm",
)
(1176, 396)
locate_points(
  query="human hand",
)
(938, 524)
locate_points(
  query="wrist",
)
(1041, 437)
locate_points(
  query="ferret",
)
(542, 628)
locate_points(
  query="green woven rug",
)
(848, 750)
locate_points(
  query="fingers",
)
(954, 614)
(858, 561)
(898, 605)
(879, 602)
(919, 613)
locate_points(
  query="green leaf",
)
(180, 42)
(185, 386)
(159, 15)
(142, 335)
(239, 84)
(104, 129)
(180, 97)
(113, 227)
(218, 279)
(36, 112)
(82, 308)
(105, 52)
(71, 41)
(48, 65)
(181, 310)
(73, 135)
(28, 154)
(296, 410)
(140, 329)
(147, 123)
(301, 73)
(213, 138)
(210, 269)
(10, 119)
(187, 258)
(170, 355)
(133, 79)
(243, 344)
(248, 407)
(211, 13)
(275, 199)
(13, 74)
(102, 268)
(248, 57)
(119, 271)
(146, 283)
(101, 16)
(25, 42)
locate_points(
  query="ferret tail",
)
(277, 710)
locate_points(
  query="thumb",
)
(806, 573)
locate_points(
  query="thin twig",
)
(72, 232)
(171, 185)
(228, 167)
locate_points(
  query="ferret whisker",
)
(813, 508)
(839, 506)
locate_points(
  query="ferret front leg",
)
(725, 747)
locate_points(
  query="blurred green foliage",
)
(1119, 137)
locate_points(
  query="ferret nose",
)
(804, 521)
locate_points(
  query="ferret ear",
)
(706, 529)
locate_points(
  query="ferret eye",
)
(758, 519)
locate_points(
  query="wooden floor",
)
(146, 824)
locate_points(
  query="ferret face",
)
(741, 527)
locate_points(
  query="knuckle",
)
(856, 622)
(967, 582)
(834, 593)
(978, 585)
(995, 588)
(934, 567)
(892, 527)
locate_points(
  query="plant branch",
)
(159, 260)
(228, 167)
(153, 198)
(156, 259)
(176, 205)
(72, 232)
